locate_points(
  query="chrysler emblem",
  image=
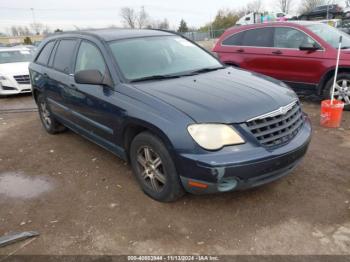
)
(280, 111)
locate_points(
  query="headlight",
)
(214, 136)
(3, 77)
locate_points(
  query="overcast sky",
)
(66, 14)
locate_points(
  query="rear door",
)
(250, 49)
(59, 90)
(256, 49)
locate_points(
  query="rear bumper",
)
(244, 167)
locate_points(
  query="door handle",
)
(73, 86)
(240, 50)
(277, 52)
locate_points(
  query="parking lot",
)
(84, 200)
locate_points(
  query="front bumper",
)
(13, 89)
(241, 166)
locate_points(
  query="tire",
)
(342, 89)
(154, 168)
(51, 125)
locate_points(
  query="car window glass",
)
(44, 56)
(330, 34)
(235, 39)
(64, 54)
(258, 37)
(89, 58)
(286, 37)
(160, 55)
(15, 56)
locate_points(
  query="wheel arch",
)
(328, 75)
(135, 126)
(229, 63)
(36, 94)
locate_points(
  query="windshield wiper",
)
(205, 70)
(345, 47)
(160, 77)
(154, 77)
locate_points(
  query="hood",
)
(12, 69)
(224, 96)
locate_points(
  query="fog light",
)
(227, 184)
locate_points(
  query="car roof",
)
(112, 34)
(289, 23)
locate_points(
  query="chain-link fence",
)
(203, 36)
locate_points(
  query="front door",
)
(288, 63)
(92, 105)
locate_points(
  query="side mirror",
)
(93, 77)
(309, 47)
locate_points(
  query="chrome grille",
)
(278, 127)
(22, 79)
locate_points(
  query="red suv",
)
(298, 53)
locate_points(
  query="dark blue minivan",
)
(184, 121)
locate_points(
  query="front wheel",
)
(341, 89)
(154, 168)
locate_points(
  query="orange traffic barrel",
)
(331, 114)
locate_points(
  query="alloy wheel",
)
(342, 91)
(151, 168)
(45, 114)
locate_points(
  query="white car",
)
(14, 73)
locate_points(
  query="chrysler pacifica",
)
(185, 122)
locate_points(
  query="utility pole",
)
(34, 22)
(328, 3)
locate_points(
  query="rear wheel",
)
(341, 89)
(51, 125)
(154, 168)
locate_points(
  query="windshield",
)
(14, 56)
(159, 56)
(330, 34)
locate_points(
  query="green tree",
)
(224, 19)
(27, 40)
(183, 28)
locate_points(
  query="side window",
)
(286, 37)
(44, 56)
(235, 39)
(89, 57)
(64, 54)
(261, 37)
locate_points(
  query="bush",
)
(27, 41)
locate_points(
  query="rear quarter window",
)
(45, 53)
(234, 40)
